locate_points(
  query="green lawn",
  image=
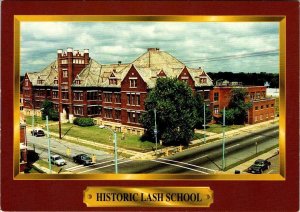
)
(217, 128)
(199, 136)
(104, 136)
(37, 121)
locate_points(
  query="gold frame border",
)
(136, 18)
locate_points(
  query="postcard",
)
(108, 107)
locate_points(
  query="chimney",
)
(153, 49)
(86, 56)
(59, 53)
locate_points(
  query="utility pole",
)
(155, 131)
(59, 125)
(116, 152)
(49, 153)
(204, 125)
(115, 146)
(223, 146)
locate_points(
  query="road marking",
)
(179, 166)
(270, 171)
(82, 166)
(103, 167)
(74, 167)
(232, 146)
(198, 158)
(189, 164)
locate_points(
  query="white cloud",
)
(112, 41)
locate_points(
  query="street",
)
(205, 159)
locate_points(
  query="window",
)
(185, 79)
(65, 73)
(40, 82)
(256, 107)
(216, 96)
(40, 93)
(65, 94)
(133, 83)
(55, 82)
(132, 99)
(257, 95)
(203, 80)
(108, 113)
(55, 94)
(77, 82)
(112, 81)
(92, 95)
(128, 99)
(64, 61)
(26, 82)
(78, 95)
(133, 117)
(206, 95)
(216, 109)
(93, 110)
(117, 98)
(261, 117)
(78, 110)
(252, 95)
(261, 107)
(267, 106)
(118, 114)
(138, 100)
(108, 97)
(263, 94)
(272, 105)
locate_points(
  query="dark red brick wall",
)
(125, 88)
(185, 73)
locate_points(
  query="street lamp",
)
(115, 146)
(155, 131)
(32, 121)
(204, 122)
(49, 153)
(223, 146)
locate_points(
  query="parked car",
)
(83, 159)
(57, 160)
(38, 132)
(259, 166)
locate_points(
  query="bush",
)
(84, 122)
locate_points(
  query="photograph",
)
(149, 97)
(149, 105)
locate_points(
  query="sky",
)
(214, 46)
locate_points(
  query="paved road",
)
(202, 160)
(206, 159)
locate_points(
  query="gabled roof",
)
(47, 75)
(148, 65)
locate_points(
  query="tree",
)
(176, 113)
(49, 111)
(237, 107)
(199, 105)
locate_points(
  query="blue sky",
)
(215, 46)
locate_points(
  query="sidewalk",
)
(244, 130)
(171, 150)
(244, 166)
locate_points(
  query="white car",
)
(57, 160)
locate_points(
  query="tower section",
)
(70, 64)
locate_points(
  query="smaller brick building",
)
(263, 108)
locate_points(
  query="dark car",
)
(82, 159)
(259, 166)
(38, 132)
